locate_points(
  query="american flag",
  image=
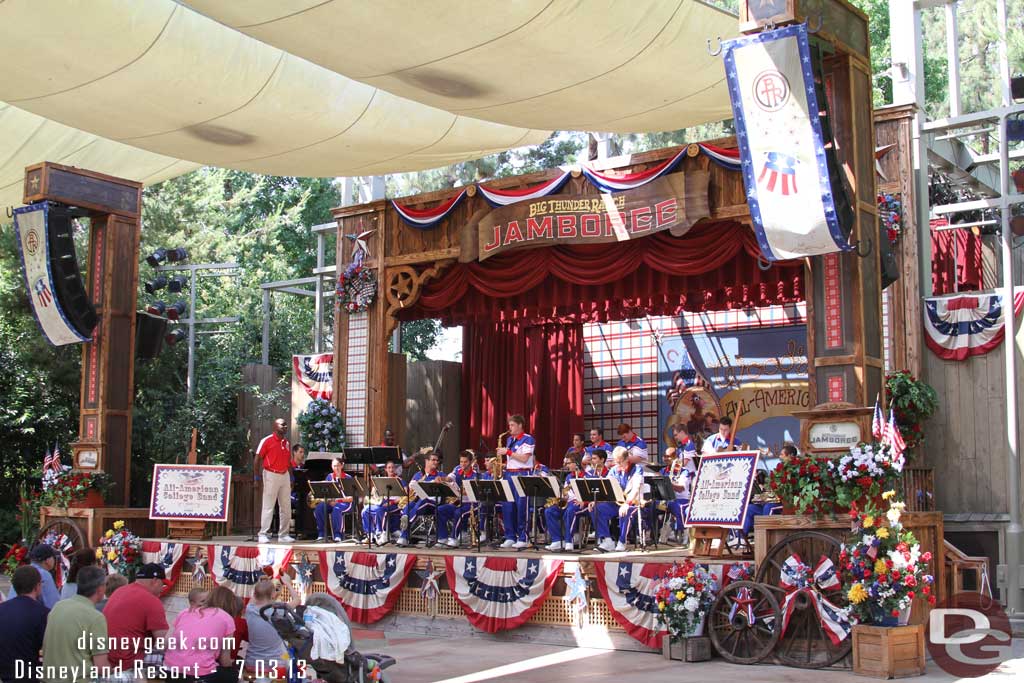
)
(877, 421)
(51, 463)
(891, 436)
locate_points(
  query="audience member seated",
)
(44, 558)
(22, 626)
(136, 617)
(203, 635)
(76, 633)
(86, 557)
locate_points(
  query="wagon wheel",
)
(67, 538)
(805, 644)
(734, 636)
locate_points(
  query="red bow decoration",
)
(798, 578)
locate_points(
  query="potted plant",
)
(321, 427)
(804, 485)
(862, 475)
(76, 489)
(684, 596)
(883, 570)
(913, 402)
(120, 550)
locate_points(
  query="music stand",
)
(387, 488)
(533, 487)
(596, 490)
(660, 490)
(437, 491)
(323, 491)
(481, 491)
(382, 454)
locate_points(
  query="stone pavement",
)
(422, 659)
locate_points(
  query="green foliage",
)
(321, 427)
(913, 401)
(418, 337)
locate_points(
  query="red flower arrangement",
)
(805, 484)
(16, 556)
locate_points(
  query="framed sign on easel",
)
(721, 494)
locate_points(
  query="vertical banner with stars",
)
(775, 107)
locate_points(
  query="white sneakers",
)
(554, 545)
(452, 543)
(402, 541)
(285, 538)
(263, 538)
(519, 545)
(567, 546)
(483, 538)
(620, 547)
(508, 543)
(382, 538)
(607, 545)
(319, 539)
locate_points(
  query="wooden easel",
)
(184, 528)
(704, 537)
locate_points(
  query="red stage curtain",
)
(713, 267)
(536, 371)
(956, 260)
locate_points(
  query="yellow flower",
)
(680, 595)
(111, 555)
(119, 524)
(109, 533)
(661, 606)
(882, 532)
(880, 567)
(857, 594)
(869, 521)
(888, 494)
(99, 553)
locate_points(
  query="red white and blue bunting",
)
(630, 181)
(500, 593)
(170, 556)
(240, 567)
(425, 219)
(728, 159)
(796, 578)
(964, 325)
(316, 374)
(506, 197)
(366, 584)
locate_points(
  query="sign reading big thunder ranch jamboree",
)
(190, 492)
(672, 202)
(721, 491)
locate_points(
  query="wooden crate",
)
(695, 649)
(888, 651)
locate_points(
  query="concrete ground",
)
(423, 659)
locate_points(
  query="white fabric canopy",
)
(148, 90)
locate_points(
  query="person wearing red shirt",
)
(135, 615)
(274, 457)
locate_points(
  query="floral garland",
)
(883, 568)
(68, 486)
(890, 211)
(321, 427)
(121, 550)
(357, 288)
(684, 596)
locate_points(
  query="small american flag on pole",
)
(892, 436)
(877, 421)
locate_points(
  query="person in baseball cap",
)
(151, 571)
(44, 558)
(135, 616)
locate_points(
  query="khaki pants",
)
(277, 488)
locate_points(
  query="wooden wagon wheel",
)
(67, 538)
(403, 286)
(733, 634)
(805, 644)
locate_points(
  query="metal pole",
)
(953, 58)
(1014, 530)
(191, 380)
(318, 303)
(266, 328)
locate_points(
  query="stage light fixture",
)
(176, 310)
(176, 283)
(177, 255)
(159, 282)
(174, 336)
(157, 308)
(157, 257)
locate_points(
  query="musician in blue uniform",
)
(336, 508)
(381, 516)
(636, 447)
(720, 441)
(519, 450)
(578, 450)
(420, 506)
(451, 518)
(597, 443)
(680, 470)
(487, 510)
(561, 522)
(631, 481)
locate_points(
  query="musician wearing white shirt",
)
(631, 479)
(636, 447)
(719, 442)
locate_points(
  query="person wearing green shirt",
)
(76, 634)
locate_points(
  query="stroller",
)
(357, 667)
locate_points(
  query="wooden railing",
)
(919, 489)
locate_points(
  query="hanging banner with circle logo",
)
(785, 170)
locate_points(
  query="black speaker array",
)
(67, 278)
(149, 334)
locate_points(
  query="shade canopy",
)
(148, 90)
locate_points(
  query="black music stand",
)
(661, 490)
(359, 456)
(353, 488)
(483, 491)
(533, 487)
(381, 455)
(596, 490)
(324, 491)
(438, 491)
(387, 488)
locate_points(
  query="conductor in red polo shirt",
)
(274, 457)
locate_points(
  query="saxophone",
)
(498, 471)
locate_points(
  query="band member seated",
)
(684, 442)
(578, 450)
(519, 450)
(680, 470)
(336, 508)
(597, 467)
(487, 511)
(561, 522)
(414, 508)
(451, 518)
(719, 442)
(408, 461)
(631, 479)
(597, 443)
(381, 516)
(634, 445)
